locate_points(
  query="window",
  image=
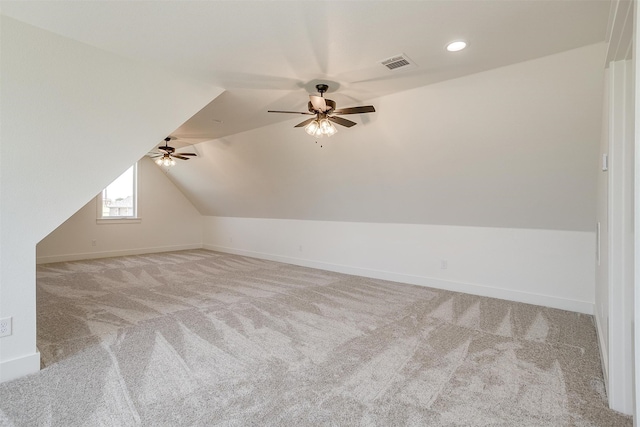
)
(118, 200)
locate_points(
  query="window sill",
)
(118, 221)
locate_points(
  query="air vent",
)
(398, 62)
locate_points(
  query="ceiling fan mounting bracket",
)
(322, 88)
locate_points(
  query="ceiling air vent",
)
(398, 62)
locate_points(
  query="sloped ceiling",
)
(511, 147)
(269, 55)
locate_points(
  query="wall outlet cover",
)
(5, 327)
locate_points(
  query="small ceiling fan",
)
(325, 113)
(166, 158)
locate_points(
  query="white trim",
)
(18, 367)
(604, 362)
(621, 258)
(109, 254)
(635, 339)
(469, 288)
(118, 220)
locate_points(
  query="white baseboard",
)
(19, 367)
(469, 288)
(109, 254)
(604, 355)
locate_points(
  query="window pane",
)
(118, 199)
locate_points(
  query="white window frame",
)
(129, 219)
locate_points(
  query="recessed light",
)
(456, 46)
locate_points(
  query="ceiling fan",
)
(325, 113)
(166, 158)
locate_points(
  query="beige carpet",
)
(204, 338)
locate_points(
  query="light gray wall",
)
(494, 173)
(553, 268)
(168, 221)
(511, 147)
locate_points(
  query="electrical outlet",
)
(5, 327)
(93, 242)
(444, 264)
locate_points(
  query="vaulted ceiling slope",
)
(504, 133)
(268, 54)
(511, 147)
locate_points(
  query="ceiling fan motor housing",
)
(331, 105)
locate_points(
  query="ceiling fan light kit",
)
(165, 160)
(320, 128)
(324, 111)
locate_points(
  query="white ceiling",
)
(270, 54)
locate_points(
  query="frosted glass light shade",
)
(331, 130)
(312, 127)
(325, 126)
(320, 128)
